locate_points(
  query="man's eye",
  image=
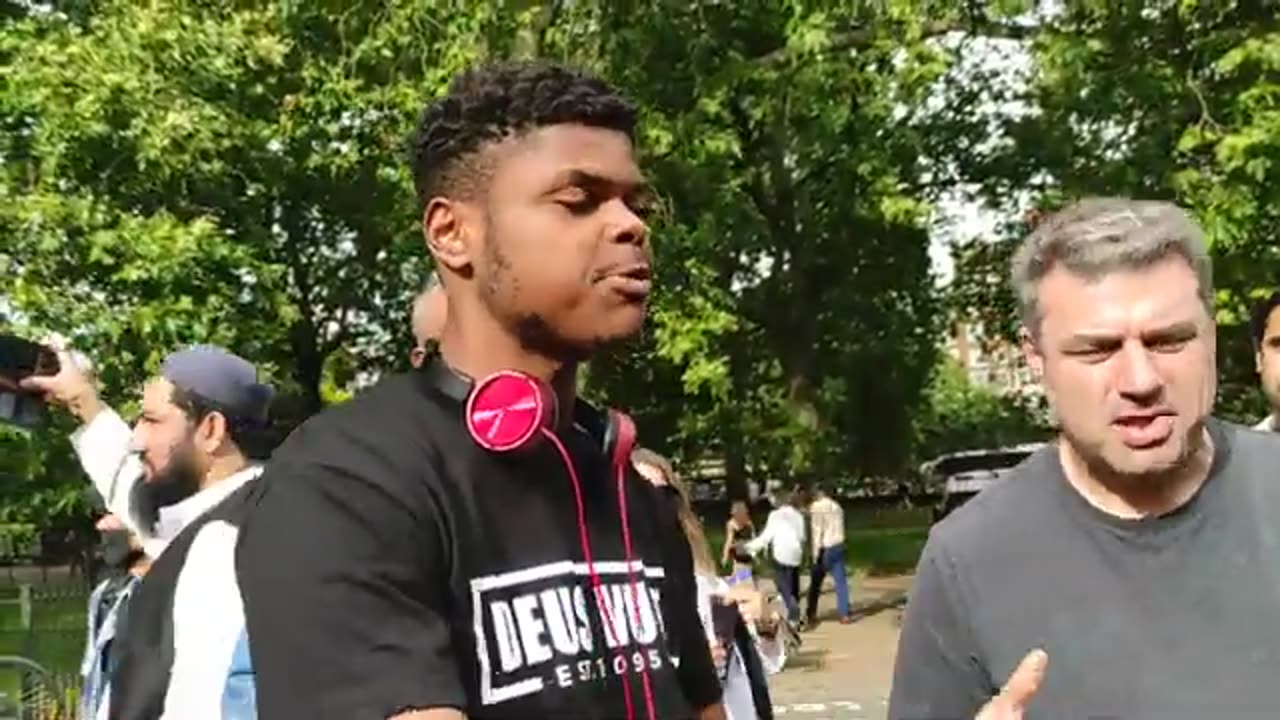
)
(577, 203)
(1170, 345)
(1091, 354)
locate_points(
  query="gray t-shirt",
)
(1168, 618)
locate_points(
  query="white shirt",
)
(208, 615)
(784, 530)
(827, 520)
(1270, 423)
(208, 628)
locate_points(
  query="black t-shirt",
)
(1167, 618)
(388, 563)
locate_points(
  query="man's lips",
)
(634, 281)
(1140, 430)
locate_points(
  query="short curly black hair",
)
(489, 103)
(1261, 315)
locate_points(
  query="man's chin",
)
(1148, 463)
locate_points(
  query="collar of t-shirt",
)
(1158, 529)
(174, 518)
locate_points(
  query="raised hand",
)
(1022, 685)
(72, 386)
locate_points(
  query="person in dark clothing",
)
(737, 532)
(124, 563)
(1141, 551)
(471, 539)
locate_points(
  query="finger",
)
(1025, 681)
(36, 383)
(109, 522)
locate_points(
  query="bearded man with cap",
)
(181, 650)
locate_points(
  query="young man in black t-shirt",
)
(399, 559)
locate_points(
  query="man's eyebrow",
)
(588, 179)
(1181, 329)
(1087, 337)
(1102, 337)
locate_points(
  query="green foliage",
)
(1173, 100)
(232, 173)
(798, 321)
(964, 416)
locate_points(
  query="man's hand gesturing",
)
(1022, 685)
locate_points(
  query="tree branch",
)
(861, 37)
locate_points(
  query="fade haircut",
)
(1095, 237)
(1261, 314)
(491, 103)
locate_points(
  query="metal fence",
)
(42, 635)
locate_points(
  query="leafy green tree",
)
(798, 309)
(961, 415)
(1154, 99)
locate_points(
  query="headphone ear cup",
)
(619, 437)
(508, 411)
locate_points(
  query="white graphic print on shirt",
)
(533, 627)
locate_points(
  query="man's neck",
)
(479, 355)
(223, 468)
(1138, 497)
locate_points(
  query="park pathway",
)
(842, 672)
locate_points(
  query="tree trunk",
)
(735, 451)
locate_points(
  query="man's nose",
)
(1138, 376)
(627, 225)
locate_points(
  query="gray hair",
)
(1099, 236)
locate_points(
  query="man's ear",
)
(446, 227)
(212, 432)
(1031, 352)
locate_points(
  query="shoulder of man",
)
(1250, 448)
(1007, 512)
(383, 432)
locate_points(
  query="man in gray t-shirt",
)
(1142, 550)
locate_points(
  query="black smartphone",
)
(19, 359)
(725, 620)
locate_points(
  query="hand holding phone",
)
(21, 360)
(49, 373)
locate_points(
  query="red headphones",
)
(511, 411)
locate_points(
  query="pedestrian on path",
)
(739, 530)
(826, 519)
(784, 533)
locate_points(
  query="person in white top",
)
(194, 445)
(1266, 345)
(784, 533)
(826, 519)
(754, 652)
